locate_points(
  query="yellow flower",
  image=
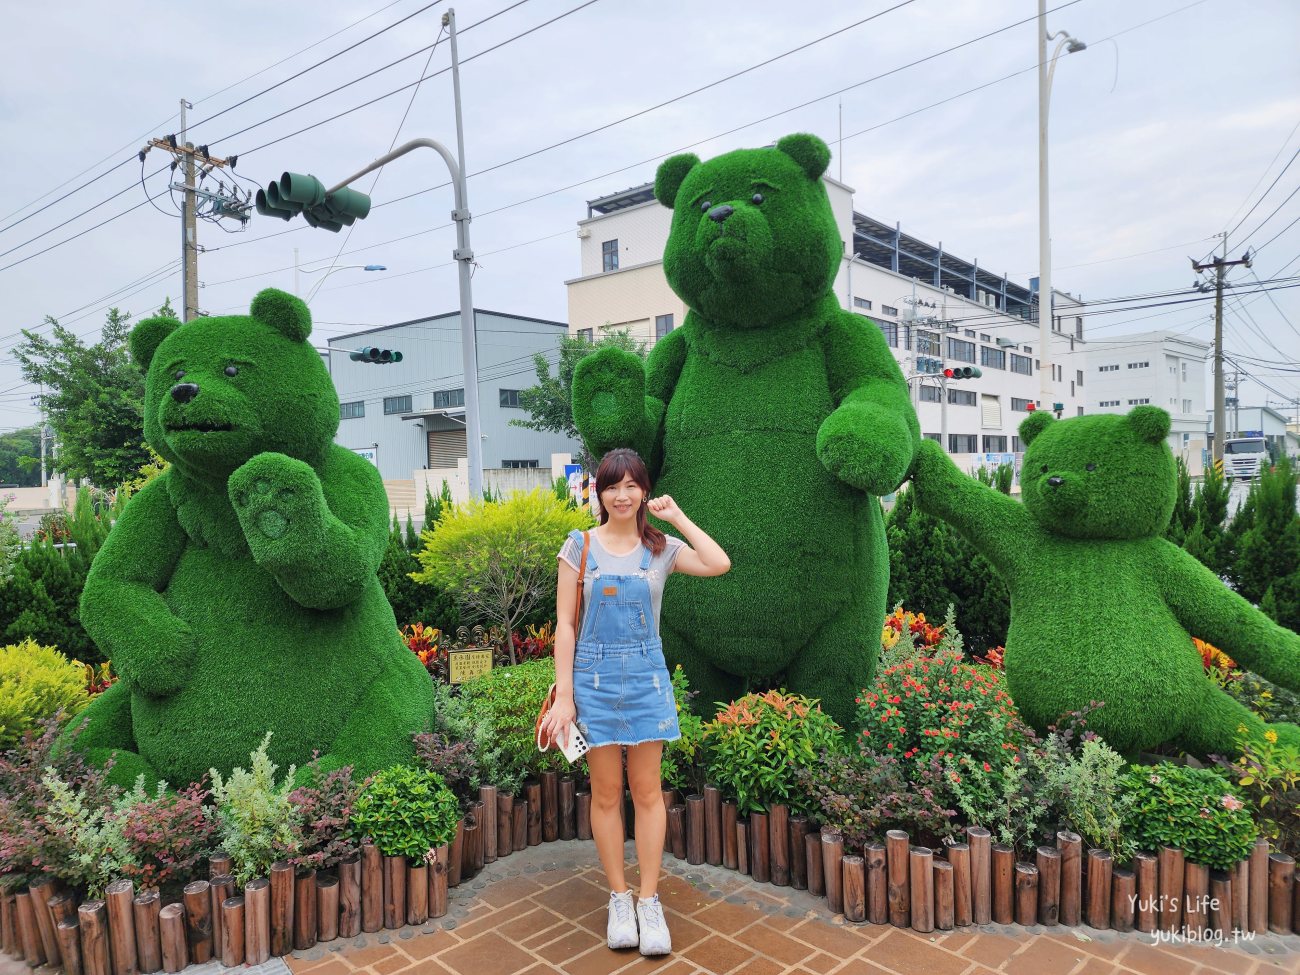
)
(1270, 736)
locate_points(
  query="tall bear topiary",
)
(1102, 606)
(775, 418)
(238, 592)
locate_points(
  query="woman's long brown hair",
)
(619, 463)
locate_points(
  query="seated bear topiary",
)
(775, 418)
(238, 593)
(1103, 608)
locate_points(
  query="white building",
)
(931, 305)
(1163, 369)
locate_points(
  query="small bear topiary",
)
(1103, 608)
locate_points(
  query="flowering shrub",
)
(1213, 658)
(534, 643)
(323, 808)
(427, 643)
(36, 683)
(99, 678)
(1196, 810)
(1268, 773)
(901, 621)
(257, 817)
(163, 836)
(679, 768)
(406, 812)
(755, 745)
(453, 747)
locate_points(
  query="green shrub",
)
(1196, 810)
(406, 812)
(258, 819)
(86, 844)
(1087, 791)
(755, 746)
(505, 702)
(680, 766)
(36, 683)
(1268, 774)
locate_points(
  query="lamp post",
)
(1046, 69)
(328, 271)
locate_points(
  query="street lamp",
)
(1046, 69)
(328, 271)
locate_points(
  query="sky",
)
(1162, 135)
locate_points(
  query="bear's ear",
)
(671, 174)
(1034, 424)
(1150, 423)
(283, 312)
(148, 335)
(812, 155)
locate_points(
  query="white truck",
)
(1245, 457)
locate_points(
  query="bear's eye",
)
(232, 370)
(706, 206)
(756, 199)
(180, 373)
(1044, 468)
(1090, 467)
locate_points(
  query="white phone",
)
(575, 745)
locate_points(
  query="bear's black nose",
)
(721, 212)
(1056, 481)
(184, 392)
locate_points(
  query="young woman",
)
(611, 679)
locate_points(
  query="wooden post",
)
(92, 919)
(282, 907)
(833, 870)
(568, 808)
(148, 946)
(1122, 896)
(372, 888)
(171, 931)
(1240, 895)
(1148, 892)
(29, 934)
(1071, 869)
(981, 875)
(853, 884)
(198, 921)
(69, 935)
(257, 921)
(232, 931)
(712, 825)
(1100, 864)
(798, 854)
(1048, 862)
(487, 821)
(877, 884)
(471, 850)
(742, 846)
(438, 882)
(959, 857)
(519, 826)
(813, 858)
(1281, 876)
(417, 878)
(921, 861)
(695, 829)
(62, 907)
(223, 888)
(1003, 858)
(730, 815)
(327, 907)
(677, 831)
(1026, 894)
(778, 823)
(550, 806)
(945, 909)
(41, 892)
(118, 896)
(1220, 905)
(349, 898)
(896, 861)
(533, 794)
(584, 814)
(456, 853)
(760, 847)
(304, 910)
(1171, 888)
(1257, 915)
(669, 797)
(1196, 896)
(220, 864)
(395, 886)
(506, 820)
(1295, 903)
(476, 845)
(9, 943)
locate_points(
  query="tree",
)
(93, 397)
(1183, 517)
(550, 402)
(1205, 540)
(497, 558)
(1270, 550)
(20, 457)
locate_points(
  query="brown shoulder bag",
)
(544, 739)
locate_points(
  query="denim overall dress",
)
(621, 688)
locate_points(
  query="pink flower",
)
(1231, 803)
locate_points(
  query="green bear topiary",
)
(775, 418)
(238, 592)
(1102, 606)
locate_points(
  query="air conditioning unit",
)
(584, 233)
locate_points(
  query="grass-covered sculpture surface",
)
(1103, 608)
(775, 418)
(238, 593)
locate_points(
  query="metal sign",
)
(462, 665)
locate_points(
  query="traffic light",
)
(373, 355)
(295, 193)
(963, 372)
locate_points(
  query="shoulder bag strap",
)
(582, 571)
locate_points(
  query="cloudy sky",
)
(1162, 136)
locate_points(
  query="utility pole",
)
(189, 231)
(1220, 267)
(943, 412)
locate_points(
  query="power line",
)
(1265, 194)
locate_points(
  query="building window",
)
(888, 310)
(352, 411)
(510, 399)
(1113, 368)
(968, 332)
(1139, 402)
(862, 303)
(397, 404)
(1184, 371)
(1021, 364)
(1029, 348)
(663, 325)
(518, 464)
(962, 397)
(961, 351)
(447, 398)
(930, 394)
(584, 334)
(609, 255)
(992, 358)
(890, 330)
(936, 437)
(1078, 326)
(1108, 402)
(1139, 365)
(1020, 405)
(1187, 406)
(995, 444)
(1079, 376)
(963, 443)
(927, 343)
(984, 338)
(1016, 446)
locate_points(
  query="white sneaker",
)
(655, 939)
(621, 930)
